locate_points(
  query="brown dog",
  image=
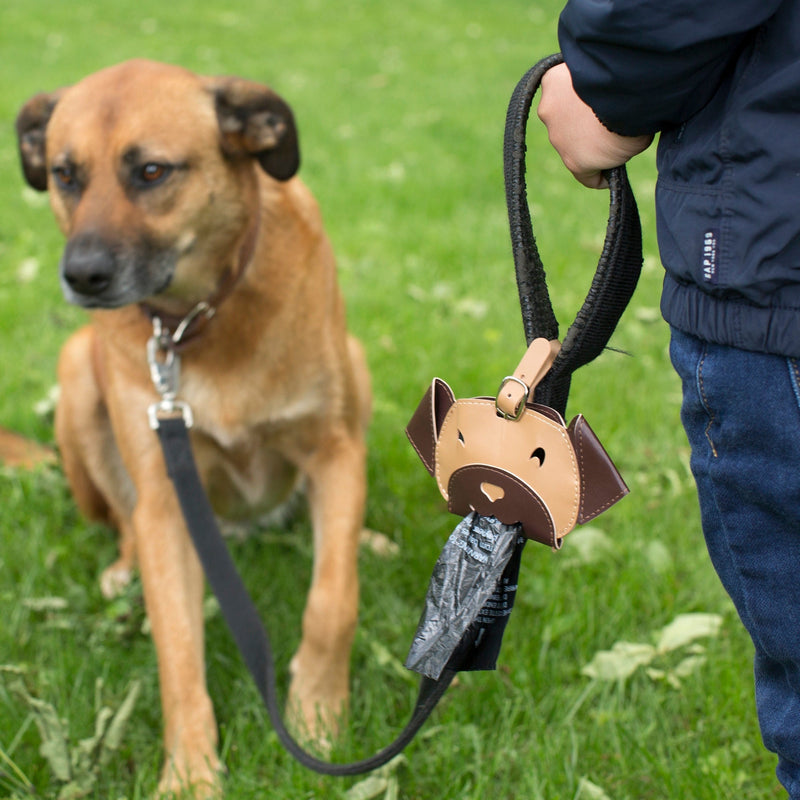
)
(176, 195)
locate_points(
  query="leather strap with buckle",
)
(517, 389)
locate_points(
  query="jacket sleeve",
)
(646, 65)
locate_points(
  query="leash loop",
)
(617, 270)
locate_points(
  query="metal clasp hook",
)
(165, 372)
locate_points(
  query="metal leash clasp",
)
(165, 371)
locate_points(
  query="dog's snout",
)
(88, 266)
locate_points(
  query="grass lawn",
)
(401, 110)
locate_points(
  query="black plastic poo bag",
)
(469, 598)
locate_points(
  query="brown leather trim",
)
(519, 502)
(601, 483)
(424, 426)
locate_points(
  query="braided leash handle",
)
(617, 270)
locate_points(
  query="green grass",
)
(401, 109)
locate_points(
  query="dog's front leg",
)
(173, 584)
(319, 690)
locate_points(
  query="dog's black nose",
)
(88, 265)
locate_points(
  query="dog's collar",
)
(178, 332)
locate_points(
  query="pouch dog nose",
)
(88, 266)
(492, 492)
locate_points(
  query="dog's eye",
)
(538, 454)
(65, 176)
(152, 174)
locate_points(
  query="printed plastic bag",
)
(469, 599)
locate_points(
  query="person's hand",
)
(585, 145)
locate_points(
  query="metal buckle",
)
(520, 410)
(169, 409)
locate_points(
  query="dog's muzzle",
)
(88, 267)
(98, 274)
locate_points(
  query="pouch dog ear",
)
(255, 121)
(601, 483)
(423, 429)
(31, 128)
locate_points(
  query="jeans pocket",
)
(701, 390)
(689, 355)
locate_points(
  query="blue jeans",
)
(741, 412)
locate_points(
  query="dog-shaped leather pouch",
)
(513, 459)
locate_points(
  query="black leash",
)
(617, 270)
(610, 291)
(242, 618)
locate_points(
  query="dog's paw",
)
(315, 715)
(199, 783)
(115, 579)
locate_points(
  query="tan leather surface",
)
(473, 433)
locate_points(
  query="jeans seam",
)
(702, 390)
(794, 378)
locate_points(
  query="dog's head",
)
(532, 470)
(151, 177)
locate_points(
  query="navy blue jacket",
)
(721, 80)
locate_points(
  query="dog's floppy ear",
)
(601, 483)
(423, 429)
(255, 121)
(32, 137)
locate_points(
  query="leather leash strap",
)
(242, 618)
(610, 291)
(617, 270)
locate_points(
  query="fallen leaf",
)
(367, 789)
(382, 781)
(688, 666)
(620, 662)
(591, 790)
(685, 628)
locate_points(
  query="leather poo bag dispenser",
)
(507, 458)
(507, 461)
